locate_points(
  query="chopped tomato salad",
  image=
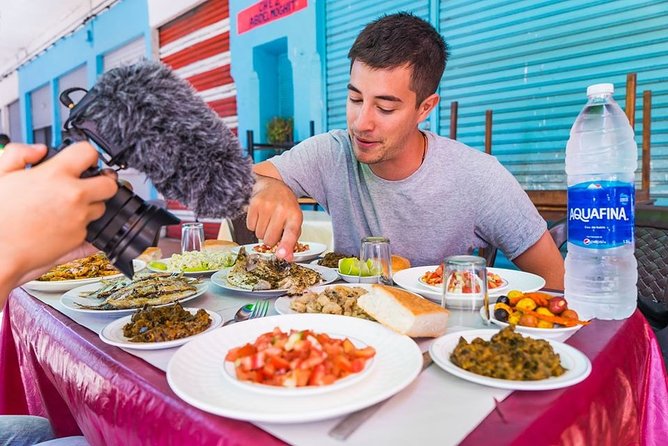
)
(298, 359)
(435, 278)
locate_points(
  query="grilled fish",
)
(256, 273)
(151, 289)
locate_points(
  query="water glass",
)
(192, 237)
(465, 290)
(376, 253)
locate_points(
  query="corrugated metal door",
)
(75, 78)
(128, 54)
(14, 115)
(531, 61)
(196, 46)
(40, 109)
(345, 19)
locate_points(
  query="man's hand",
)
(46, 208)
(274, 215)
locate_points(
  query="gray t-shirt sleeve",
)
(509, 219)
(304, 166)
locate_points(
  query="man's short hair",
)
(402, 39)
(4, 139)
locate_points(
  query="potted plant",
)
(279, 130)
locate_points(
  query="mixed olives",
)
(535, 309)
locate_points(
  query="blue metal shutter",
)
(344, 20)
(531, 61)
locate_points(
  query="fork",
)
(260, 309)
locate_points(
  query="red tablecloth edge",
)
(62, 331)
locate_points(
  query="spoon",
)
(242, 314)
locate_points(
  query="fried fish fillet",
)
(254, 272)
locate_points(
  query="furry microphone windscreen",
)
(173, 137)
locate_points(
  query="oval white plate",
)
(577, 364)
(559, 334)
(185, 273)
(69, 300)
(195, 371)
(282, 304)
(220, 278)
(231, 375)
(409, 279)
(65, 285)
(357, 279)
(315, 249)
(112, 334)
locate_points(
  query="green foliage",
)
(279, 130)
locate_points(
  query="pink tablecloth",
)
(51, 366)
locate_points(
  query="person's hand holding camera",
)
(46, 208)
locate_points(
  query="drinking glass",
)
(192, 236)
(465, 290)
(376, 253)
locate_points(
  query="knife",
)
(352, 421)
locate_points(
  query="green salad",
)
(195, 261)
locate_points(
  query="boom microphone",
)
(163, 129)
(145, 117)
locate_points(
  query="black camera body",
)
(129, 224)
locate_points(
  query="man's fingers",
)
(17, 156)
(291, 233)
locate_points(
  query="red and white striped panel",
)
(196, 46)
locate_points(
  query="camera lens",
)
(129, 226)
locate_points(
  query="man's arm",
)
(544, 259)
(274, 213)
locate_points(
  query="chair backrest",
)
(240, 232)
(489, 254)
(651, 235)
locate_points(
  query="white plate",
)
(577, 364)
(439, 288)
(195, 371)
(315, 249)
(70, 299)
(65, 285)
(559, 334)
(231, 376)
(409, 279)
(112, 334)
(220, 278)
(356, 280)
(282, 304)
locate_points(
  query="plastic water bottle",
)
(601, 158)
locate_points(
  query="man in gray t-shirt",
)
(431, 196)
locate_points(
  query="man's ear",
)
(427, 106)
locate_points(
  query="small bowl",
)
(357, 279)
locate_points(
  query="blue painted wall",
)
(298, 31)
(111, 29)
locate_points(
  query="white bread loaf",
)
(219, 245)
(404, 312)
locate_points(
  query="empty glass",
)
(376, 261)
(192, 236)
(465, 290)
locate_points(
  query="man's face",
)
(381, 112)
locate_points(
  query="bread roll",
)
(150, 253)
(404, 312)
(399, 263)
(219, 245)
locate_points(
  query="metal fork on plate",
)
(260, 308)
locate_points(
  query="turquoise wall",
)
(253, 55)
(125, 21)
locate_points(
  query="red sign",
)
(267, 11)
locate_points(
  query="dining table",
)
(54, 364)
